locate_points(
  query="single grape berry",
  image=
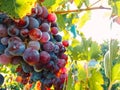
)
(24, 32)
(44, 27)
(34, 44)
(45, 37)
(44, 57)
(61, 63)
(31, 56)
(45, 12)
(52, 17)
(1, 79)
(48, 46)
(4, 59)
(65, 43)
(13, 31)
(54, 30)
(58, 38)
(23, 23)
(16, 48)
(35, 34)
(33, 23)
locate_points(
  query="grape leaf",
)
(16, 8)
(83, 19)
(116, 73)
(61, 21)
(79, 3)
(96, 80)
(49, 3)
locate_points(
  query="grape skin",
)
(31, 56)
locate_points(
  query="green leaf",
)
(16, 8)
(116, 73)
(95, 51)
(81, 73)
(49, 3)
(75, 42)
(60, 21)
(79, 3)
(86, 2)
(83, 19)
(70, 84)
(96, 80)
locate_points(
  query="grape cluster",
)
(33, 43)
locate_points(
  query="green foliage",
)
(61, 21)
(95, 51)
(115, 4)
(96, 80)
(79, 3)
(116, 73)
(48, 3)
(83, 19)
(16, 8)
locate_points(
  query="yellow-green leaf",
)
(96, 80)
(83, 19)
(49, 3)
(116, 73)
(16, 8)
(79, 3)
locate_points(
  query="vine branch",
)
(80, 10)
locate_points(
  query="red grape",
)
(45, 37)
(4, 59)
(44, 57)
(44, 27)
(54, 30)
(65, 43)
(48, 46)
(31, 56)
(35, 34)
(52, 17)
(45, 12)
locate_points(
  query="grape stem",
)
(80, 10)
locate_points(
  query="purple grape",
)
(33, 23)
(16, 48)
(23, 23)
(3, 31)
(44, 27)
(13, 31)
(56, 49)
(2, 48)
(31, 56)
(61, 63)
(4, 59)
(45, 12)
(44, 57)
(34, 44)
(4, 40)
(24, 32)
(48, 46)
